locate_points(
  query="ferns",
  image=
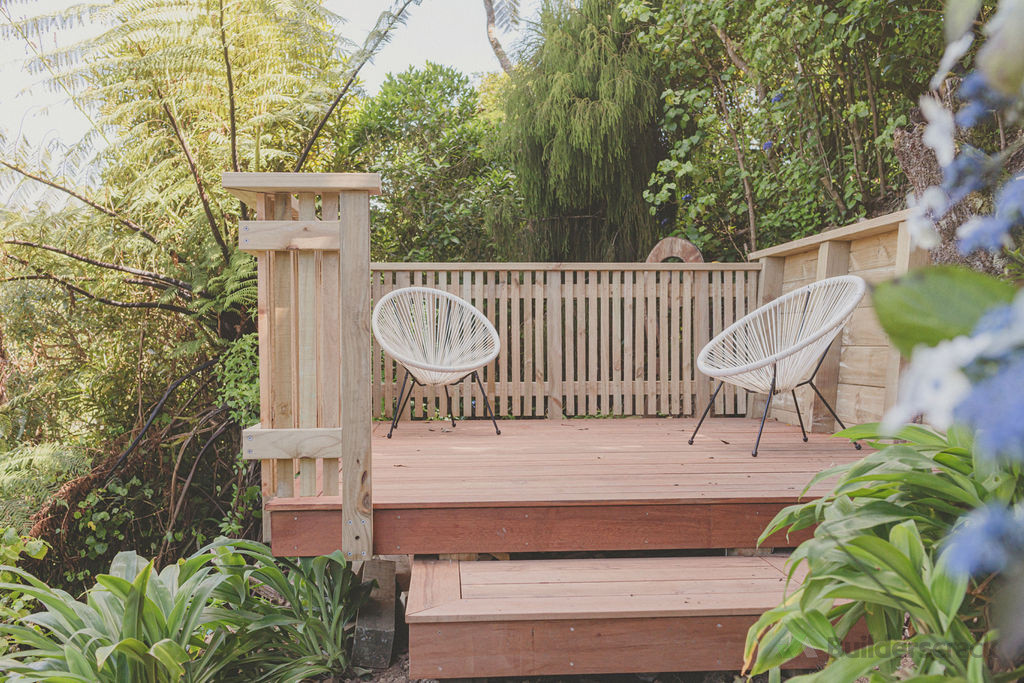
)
(30, 474)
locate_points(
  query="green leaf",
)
(933, 304)
(171, 655)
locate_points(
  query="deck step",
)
(588, 616)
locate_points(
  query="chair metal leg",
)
(449, 397)
(836, 417)
(706, 411)
(399, 405)
(487, 403)
(767, 406)
(799, 416)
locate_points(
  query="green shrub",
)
(204, 618)
(875, 557)
(14, 604)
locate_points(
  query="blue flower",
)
(687, 197)
(994, 408)
(777, 97)
(985, 541)
(767, 146)
(971, 171)
(996, 319)
(980, 100)
(993, 232)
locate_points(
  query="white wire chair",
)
(439, 338)
(781, 345)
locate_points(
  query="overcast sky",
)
(450, 32)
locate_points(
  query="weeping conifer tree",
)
(582, 133)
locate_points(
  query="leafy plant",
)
(322, 597)
(13, 546)
(876, 557)
(204, 618)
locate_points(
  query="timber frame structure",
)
(616, 341)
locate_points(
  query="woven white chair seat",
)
(786, 337)
(439, 337)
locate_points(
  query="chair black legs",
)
(487, 403)
(834, 416)
(400, 406)
(403, 398)
(799, 416)
(448, 396)
(706, 411)
(767, 406)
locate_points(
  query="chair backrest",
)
(433, 330)
(788, 334)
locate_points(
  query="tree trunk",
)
(492, 35)
(922, 170)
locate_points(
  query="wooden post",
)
(833, 260)
(769, 289)
(313, 278)
(907, 258)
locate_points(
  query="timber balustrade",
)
(311, 239)
(581, 338)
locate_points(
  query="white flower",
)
(939, 133)
(922, 211)
(954, 51)
(934, 383)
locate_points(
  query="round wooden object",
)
(675, 247)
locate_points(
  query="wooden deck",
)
(569, 485)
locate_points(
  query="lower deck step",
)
(588, 616)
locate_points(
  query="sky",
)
(449, 32)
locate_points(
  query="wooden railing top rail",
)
(562, 266)
(270, 183)
(873, 226)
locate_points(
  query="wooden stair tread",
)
(594, 588)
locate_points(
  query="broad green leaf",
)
(171, 655)
(937, 303)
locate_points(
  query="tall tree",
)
(504, 17)
(780, 116)
(582, 134)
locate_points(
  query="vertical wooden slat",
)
(618, 341)
(593, 337)
(540, 368)
(651, 341)
(688, 324)
(662, 345)
(357, 505)
(716, 327)
(566, 296)
(728, 316)
(282, 349)
(329, 345)
(517, 332)
(674, 344)
(306, 336)
(638, 329)
(555, 332)
(605, 319)
(769, 288)
(701, 330)
(264, 331)
(498, 320)
(580, 352)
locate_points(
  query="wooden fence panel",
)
(579, 339)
